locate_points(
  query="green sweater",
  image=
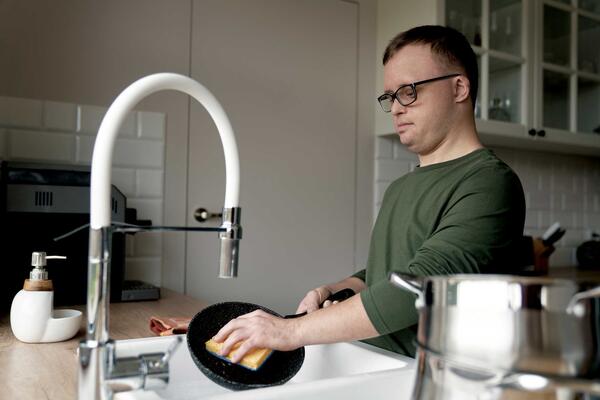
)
(459, 216)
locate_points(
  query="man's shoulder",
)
(490, 165)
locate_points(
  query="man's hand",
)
(317, 297)
(257, 329)
(313, 300)
(346, 321)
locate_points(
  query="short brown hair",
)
(448, 43)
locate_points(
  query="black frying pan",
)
(279, 368)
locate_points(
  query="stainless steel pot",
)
(440, 378)
(512, 323)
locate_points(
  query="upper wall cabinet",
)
(539, 64)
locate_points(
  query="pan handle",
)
(575, 307)
(337, 296)
(412, 283)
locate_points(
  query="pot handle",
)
(575, 307)
(412, 283)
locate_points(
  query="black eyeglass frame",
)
(413, 85)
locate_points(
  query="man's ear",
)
(462, 88)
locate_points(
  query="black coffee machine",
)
(40, 203)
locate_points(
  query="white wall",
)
(557, 188)
(85, 52)
(64, 133)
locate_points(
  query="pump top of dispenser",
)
(38, 261)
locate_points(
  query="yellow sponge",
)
(253, 360)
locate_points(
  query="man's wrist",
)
(296, 335)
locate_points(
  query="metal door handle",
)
(203, 215)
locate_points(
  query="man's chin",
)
(407, 143)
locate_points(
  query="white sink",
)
(341, 370)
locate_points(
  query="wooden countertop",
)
(574, 273)
(49, 370)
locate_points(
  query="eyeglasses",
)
(406, 94)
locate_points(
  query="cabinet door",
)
(495, 30)
(539, 71)
(569, 68)
(286, 74)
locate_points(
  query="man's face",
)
(424, 124)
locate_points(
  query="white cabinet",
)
(539, 70)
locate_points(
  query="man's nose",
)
(397, 108)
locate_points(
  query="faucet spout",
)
(95, 354)
(230, 242)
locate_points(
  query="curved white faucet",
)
(116, 114)
(96, 353)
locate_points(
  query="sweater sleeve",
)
(362, 275)
(483, 220)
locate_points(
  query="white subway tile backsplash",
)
(138, 153)
(592, 221)
(532, 219)
(562, 179)
(563, 256)
(572, 238)
(129, 126)
(89, 118)
(544, 181)
(149, 183)
(389, 170)
(539, 200)
(380, 188)
(384, 148)
(588, 202)
(572, 201)
(60, 116)
(151, 125)
(36, 145)
(147, 209)
(44, 131)
(566, 219)
(84, 149)
(400, 152)
(545, 219)
(147, 269)
(124, 179)
(18, 112)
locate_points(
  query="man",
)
(461, 211)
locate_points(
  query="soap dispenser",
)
(32, 318)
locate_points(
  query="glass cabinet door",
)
(557, 33)
(465, 16)
(494, 29)
(539, 61)
(556, 100)
(570, 66)
(588, 67)
(505, 26)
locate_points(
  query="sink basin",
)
(340, 369)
